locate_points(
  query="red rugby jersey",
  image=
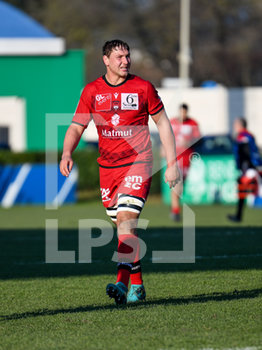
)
(186, 132)
(120, 113)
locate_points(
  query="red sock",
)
(125, 244)
(136, 277)
(123, 275)
(176, 210)
(136, 272)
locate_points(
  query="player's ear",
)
(106, 60)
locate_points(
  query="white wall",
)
(253, 112)
(12, 115)
(207, 106)
(216, 108)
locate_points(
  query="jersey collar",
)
(107, 82)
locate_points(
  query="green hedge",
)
(7, 157)
(85, 161)
(88, 169)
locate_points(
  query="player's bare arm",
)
(172, 174)
(72, 137)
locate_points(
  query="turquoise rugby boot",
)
(136, 293)
(118, 292)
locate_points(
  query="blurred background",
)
(225, 35)
(206, 53)
(203, 53)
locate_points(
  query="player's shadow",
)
(200, 298)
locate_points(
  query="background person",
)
(186, 132)
(249, 162)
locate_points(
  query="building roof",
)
(22, 35)
(16, 24)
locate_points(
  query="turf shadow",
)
(200, 298)
(222, 248)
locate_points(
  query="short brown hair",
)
(184, 106)
(243, 122)
(109, 46)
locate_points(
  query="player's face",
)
(183, 113)
(119, 62)
(237, 126)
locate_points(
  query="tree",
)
(225, 35)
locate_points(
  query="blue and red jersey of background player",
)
(246, 151)
(120, 113)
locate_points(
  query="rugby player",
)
(120, 103)
(249, 162)
(187, 132)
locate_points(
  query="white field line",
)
(235, 256)
(149, 259)
(246, 348)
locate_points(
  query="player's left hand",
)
(172, 175)
(66, 165)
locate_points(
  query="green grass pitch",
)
(214, 303)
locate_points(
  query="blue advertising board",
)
(26, 184)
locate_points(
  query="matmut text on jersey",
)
(120, 113)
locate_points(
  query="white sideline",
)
(146, 259)
(15, 187)
(246, 348)
(235, 256)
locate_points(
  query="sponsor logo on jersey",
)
(115, 120)
(116, 105)
(116, 94)
(186, 129)
(117, 133)
(129, 101)
(134, 182)
(103, 102)
(104, 194)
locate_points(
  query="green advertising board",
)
(210, 179)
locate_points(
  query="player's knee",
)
(124, 216)
(126, 222)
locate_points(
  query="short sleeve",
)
(196, 131)
(83, 113)
(155, 104)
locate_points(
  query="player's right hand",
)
(66, 165)
(172, 175)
